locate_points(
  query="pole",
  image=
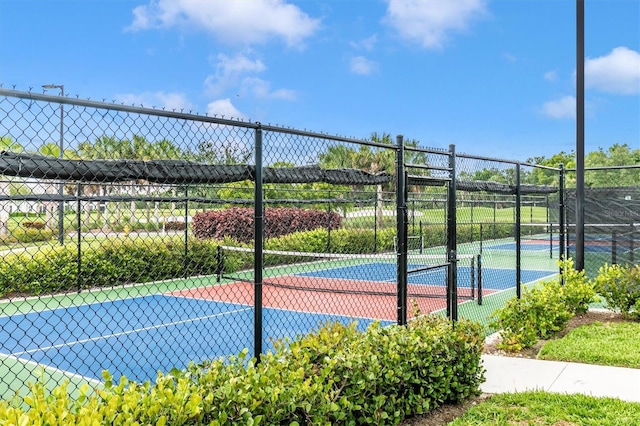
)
(452, 281)
(258, 224)
(518, 211)
(562, 234)
(61, 184)
(401, 230)
(579, 135)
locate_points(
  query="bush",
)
(35, 224)
(336, 375)
(543, 310)
(32, 235)
(237, 222)
(55, 268)
(578, 292)
(620, 287)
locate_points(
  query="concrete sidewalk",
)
(509, 374)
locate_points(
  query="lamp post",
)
(60, 155)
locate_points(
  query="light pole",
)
(60, 155)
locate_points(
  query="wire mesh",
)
(116, 224)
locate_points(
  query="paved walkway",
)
(509, 374)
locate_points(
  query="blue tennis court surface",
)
(494, 279)
(87, 339)
(139, 336)
(523, 246)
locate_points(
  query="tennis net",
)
(338, 273)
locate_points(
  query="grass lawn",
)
(596, 339)
(542, 408)
(610, 343)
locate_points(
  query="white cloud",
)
(224, 107)
(229, 71)
(428, 22)
(362, 66)
(618, 72)
(238, 73)
(262, 89)
(551, 75)
(365, 44)
(565, 107)
(232, 21)
(510, 57)
(168, 101)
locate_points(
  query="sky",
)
(494, 77)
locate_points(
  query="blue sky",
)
(494, 77)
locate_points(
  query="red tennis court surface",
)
(352, 298)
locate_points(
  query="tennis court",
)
(139, 336)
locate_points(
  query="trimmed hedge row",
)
(117, 261)
(108, 263)
(237, 222)
(335, 376)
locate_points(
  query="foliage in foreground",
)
(542, 408)
(620, 287)
(544, 309)
(335, 376)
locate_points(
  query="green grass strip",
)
(542, 408)
(614, 344)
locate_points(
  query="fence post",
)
(79, 240)
(328, 221)
(452, 281)
(258, 264)
(561, 213)
(401, 230)
(518, 211)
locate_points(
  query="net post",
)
(258, 245)
(632, 247)
(219, 264)
(401, 230)
(473, 277)
(518, 211)
(452, 278)
(479, 263)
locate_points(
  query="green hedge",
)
(544, 309)
(110, 262)
(335, 376)
(113, 262)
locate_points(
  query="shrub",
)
(35, 224)
(620, 287)
(336, 375)
(55, 268)
(578, 292)
(32, 235)
(237, 222)
(543, 310)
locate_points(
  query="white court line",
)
(50, 368)
(124, 333)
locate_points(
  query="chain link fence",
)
(128, 236)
